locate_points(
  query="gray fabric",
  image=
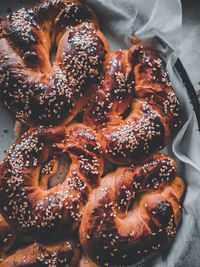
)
(157, 23)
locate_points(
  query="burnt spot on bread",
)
(22, 29)
(163, 210)
(31, 58)
(72, 15)
(165, 214)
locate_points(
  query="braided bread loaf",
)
(132, 211)
(136, 78)
(33, 211)
(29, 87)
(115, 230)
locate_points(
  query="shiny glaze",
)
(135, 110)
(114, 233)
(34, 211)
(33, 90)
(64, 253)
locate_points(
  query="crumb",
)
(5, 151)
(5, 131)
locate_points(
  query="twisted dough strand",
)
(135, 78)
(63, 253)
(114, 231)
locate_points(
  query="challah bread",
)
(35, 212)
(33, 90)
(135, 211)
(136, 110)
(132, 113)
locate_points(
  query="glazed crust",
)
(64, 253)
(136, 110)
(36, 212)
(134, 212)
(33, 90)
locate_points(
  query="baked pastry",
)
(35, 212)
(135, 211)
(64, 253)
(7, 236)
(136, 110)
(33, 90)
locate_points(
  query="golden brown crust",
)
(135, 211)
(30, 88)
(135, 78)
(64, 253)
(34, 211)
(131, 212)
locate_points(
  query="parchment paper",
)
(157, 23)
